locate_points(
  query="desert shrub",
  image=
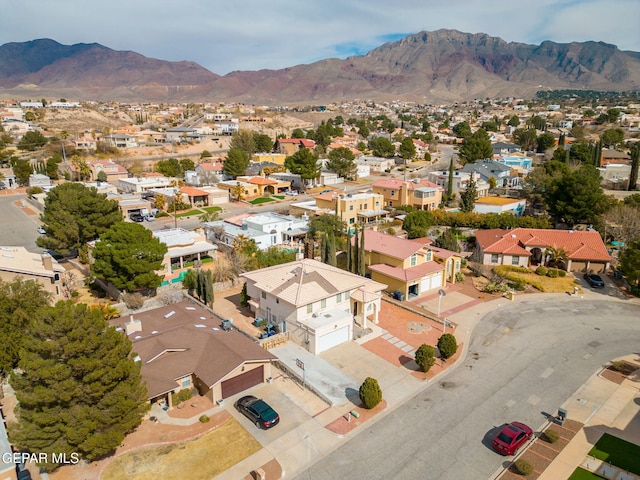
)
(33, 190)
(425, 357)
(391, 231)
(518, 284)
(204, 419)
(447, 345)
(502, 270)
(181, 396)
(370, 392)
(459, 277)
(553, 273)
(523, 467)
(161, 214)
(619, 365)
(551, 436)
(493, 287)
(133, 300)
(562, 273)
(542, 271)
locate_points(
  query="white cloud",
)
(254, 34)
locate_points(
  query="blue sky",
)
(257, 34)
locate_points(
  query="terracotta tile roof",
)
(397, 184)
(579, 245)
(193, 192)
(408, 274)
(262, 181)
(389, 245)
(211, 167)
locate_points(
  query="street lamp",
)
(175, 207)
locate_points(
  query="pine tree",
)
(635, 163)
(78, 388)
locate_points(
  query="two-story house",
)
(315, 303)
(352, 208)
(419, 193)
(289, 146)
(412, 267)
(17, 262)
(460, 182)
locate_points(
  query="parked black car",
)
(258, 411)
(136, 217)
(595, 281)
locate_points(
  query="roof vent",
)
(170, 314)
(190, 308)
(199, 325)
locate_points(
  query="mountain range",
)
(427, 67)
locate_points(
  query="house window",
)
(390, 203)
(427, 257)
(323, 303)
(414, 260)
(186, 382)
(310, 308)
(339, 298)
(350, 207)
(515, 260)
(494, 258)
(264, 295)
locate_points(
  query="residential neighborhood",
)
(273, 292)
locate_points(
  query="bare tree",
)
(623, 223)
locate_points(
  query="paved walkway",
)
(602, 406)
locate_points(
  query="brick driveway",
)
(405, 332)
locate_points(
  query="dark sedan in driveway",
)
(511, 438)
(258, 411)
(595, 281)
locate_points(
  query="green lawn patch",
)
(260, 200)
(279, 197)
(190, 213)
(582, 474)
(211, 209)
(618, 452)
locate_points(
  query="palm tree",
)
(556, 256)
(237, 191)
(209, 217)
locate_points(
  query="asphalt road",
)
(524, 359)
(16, 228)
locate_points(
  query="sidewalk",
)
(603, 407)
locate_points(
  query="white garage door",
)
(425, 284)
(333, 338)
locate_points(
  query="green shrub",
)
(562, 273)
(493, 287)
(619, 365)
(181, 396)
(447, 345)
(553, 273)
(161, 214)
(459, 277)
(425, 357)
(551, 436)
(542, 271)
(33, 191)
(523, 467)
(518, 284)
(204, 419)
(370, 392)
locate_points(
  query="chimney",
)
(47, 262)
(132, 326)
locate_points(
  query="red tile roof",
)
(397, 184)
(262, 181)
(579, 245)
(193, 192)
(212, 167)
(407, 274)
(389, 245)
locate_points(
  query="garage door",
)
(242, 382)
(332, 339)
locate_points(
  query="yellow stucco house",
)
(360, 208)
(413, 268)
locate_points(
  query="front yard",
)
(542, 283)
(202, 458)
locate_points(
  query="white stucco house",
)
(314, 303)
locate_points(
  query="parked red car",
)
(511, 438)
